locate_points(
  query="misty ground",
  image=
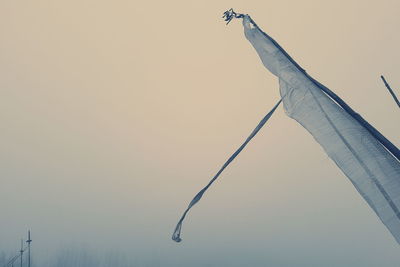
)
(75, 258)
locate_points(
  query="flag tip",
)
(177, 239)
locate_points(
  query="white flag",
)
(367, 158)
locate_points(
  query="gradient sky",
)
(113, 114)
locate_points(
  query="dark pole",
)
(390, 91)
(22, 250)
(29, 248)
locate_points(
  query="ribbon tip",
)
(177, 239)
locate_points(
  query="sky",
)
(113, 114)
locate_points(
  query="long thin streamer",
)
(391, 91)
(176, 236)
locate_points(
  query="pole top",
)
(29, 237)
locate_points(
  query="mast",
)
(21, 251)
(29, 247)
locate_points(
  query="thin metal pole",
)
(390, 91)
(29, 247)
(22, 250)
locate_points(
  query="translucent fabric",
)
(176, 236)
(360, 151)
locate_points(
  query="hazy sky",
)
(113, 114)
